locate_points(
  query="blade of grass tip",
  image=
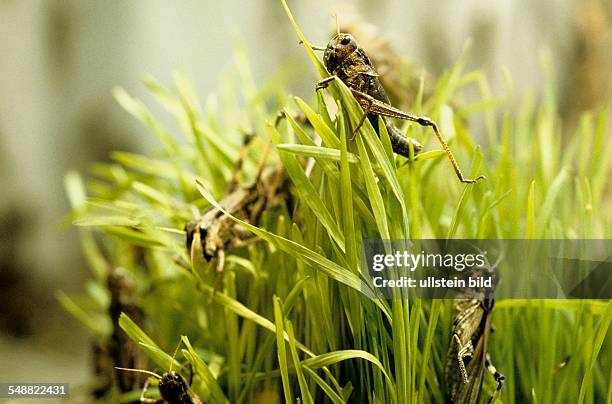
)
(488, 215)
(534, 397)
(100, 327)
(137, 109)
(242, 64)
(490, 113)
(133, 331)
(467, 191)
(418, 99)
(281, 351)
(323, 111)
(136, 334)
(163, 96)
(315, 60)
(318, 152)
(548, 205)
(75, 189)
(106, 220)
(301, 134)
(327, 134)
(294, 294)
(454, 77)
(305, 393)
(164, 200)
(134, 236)
(429, 155)
(77, 196)
(146, 165)
(600, 337)
(203, 144)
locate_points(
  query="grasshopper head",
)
(172, 385)
(338, 49)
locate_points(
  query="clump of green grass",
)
(290, 319)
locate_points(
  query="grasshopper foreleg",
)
(325, 82)
(462, 352)
(146, 400)
(499, 378)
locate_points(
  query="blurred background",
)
(59, 60)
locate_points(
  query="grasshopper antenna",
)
(140, 371)
(314, 47)
(174, 355)
(337, 23)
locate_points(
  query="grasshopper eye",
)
(345, 41)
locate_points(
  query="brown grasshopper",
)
(121, 350)
(467, 355)
(346, 60)
(173, 388)
(118, 349)
(215, 232)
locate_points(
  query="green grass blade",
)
(315, 60)
(308, 193)
(214, 393)
(281, 350)
(99, 327)
(376, 199)
(326, 133)
(305, 393)
(331, 394)
(602, 331)
(317, 152)
(136, 334)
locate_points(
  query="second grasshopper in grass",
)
(214, 232)
(468, 356)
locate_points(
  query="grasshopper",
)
(344, 59)
(215, 232)
(118, 349)
(173, 388)
(467, 354)
(122, 350)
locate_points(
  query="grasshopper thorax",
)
(338, 50)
